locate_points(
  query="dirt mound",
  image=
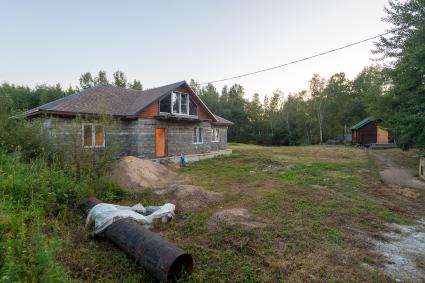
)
(189, 197)
(136, 173)
(235, 216)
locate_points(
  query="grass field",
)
(319, 206)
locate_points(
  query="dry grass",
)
(321, 206)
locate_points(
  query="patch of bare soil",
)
(393, 174)
(406, 192)
(189, 197)
(235, 216)
(136, 173)
(404, 250)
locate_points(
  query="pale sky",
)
(161, 42)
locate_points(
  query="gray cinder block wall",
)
(137, 137)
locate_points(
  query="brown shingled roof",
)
(222, 121)
(113, 100)
(108, 99)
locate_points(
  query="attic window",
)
(93, 135)
(178, 103)
(165, 104)
(193, 109)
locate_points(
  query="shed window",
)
(215, 135)
(198, 135)
(93, 135)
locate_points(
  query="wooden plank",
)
(382, 136)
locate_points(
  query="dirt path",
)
(394, 174)
(403, 245)
(404, 249)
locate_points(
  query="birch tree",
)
(317, 86)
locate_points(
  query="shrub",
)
(25, 138)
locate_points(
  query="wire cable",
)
(298, 60)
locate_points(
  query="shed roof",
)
(364, 122)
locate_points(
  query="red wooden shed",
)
(368, 132)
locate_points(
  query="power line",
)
(298, 60)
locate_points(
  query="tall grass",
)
(30, 194)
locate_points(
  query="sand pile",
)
(136, 173)
(235, 216)
(141, 174)
(189, 197)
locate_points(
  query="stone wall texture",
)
(137, 137)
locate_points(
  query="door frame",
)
(165, 142)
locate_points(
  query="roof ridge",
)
(168, 87)
(180, 82)
(363, 122)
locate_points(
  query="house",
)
(368, 132)
(166, 121)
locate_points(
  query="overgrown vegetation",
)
(34, 195)
(43, 186)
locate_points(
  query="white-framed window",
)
(93, 135)
(198, 135)
(215, 135)
(178, 103)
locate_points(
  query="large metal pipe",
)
(161, 259)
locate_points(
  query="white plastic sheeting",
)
(104, 214)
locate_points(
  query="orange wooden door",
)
(160, 147)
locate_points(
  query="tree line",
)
(394, 92)
(326, 110)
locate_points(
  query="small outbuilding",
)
(369, 131)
